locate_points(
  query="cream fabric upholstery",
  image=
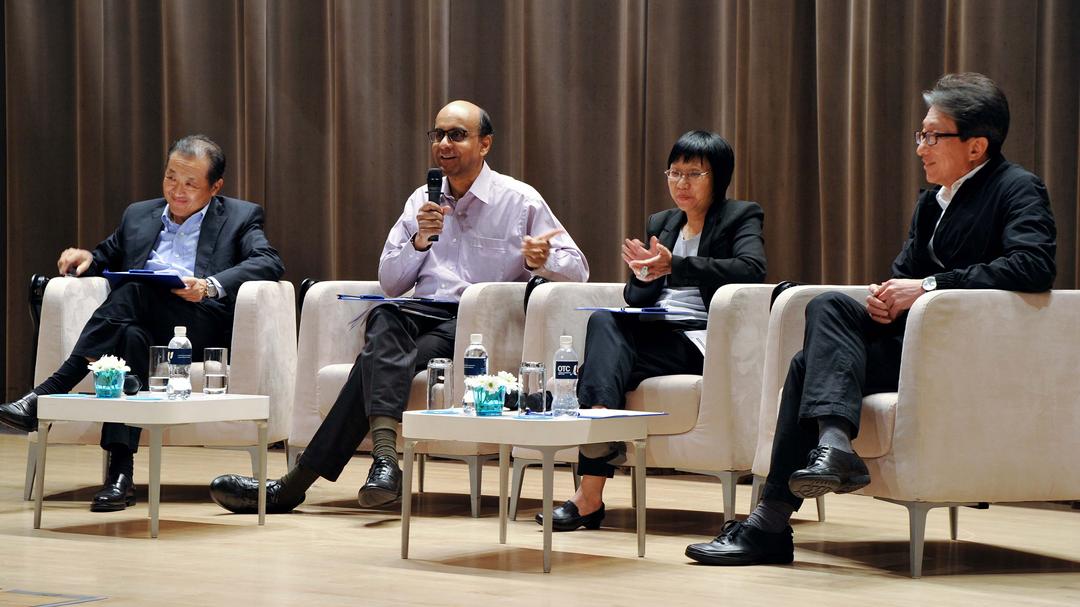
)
(986, 407)
(712, 422)
(328, 349)
(262, 353)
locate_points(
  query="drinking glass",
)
(215, 370)
(159, 369)
(532, 377)
(440, 383)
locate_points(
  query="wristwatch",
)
(929, 284)
(211, 289)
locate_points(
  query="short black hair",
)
(201, 146)
(712, 148)
(975, 102)
(486, 127)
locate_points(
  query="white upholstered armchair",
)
(328, 348)
(711, 426)
(262, 361)
(985, 410)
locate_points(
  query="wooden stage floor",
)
(333, 553)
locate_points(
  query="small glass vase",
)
(109, 383)
(489, 402)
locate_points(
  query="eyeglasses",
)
(930, 137)
(455, 135)
(674, 176)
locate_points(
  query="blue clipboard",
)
(169, 281)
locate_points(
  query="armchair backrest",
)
(555, 304)
(493, 309)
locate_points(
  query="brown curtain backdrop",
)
(321, 107)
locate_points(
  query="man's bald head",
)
(476, 116)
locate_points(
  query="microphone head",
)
(434, 179)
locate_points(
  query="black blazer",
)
(232, 246)
(731, 250)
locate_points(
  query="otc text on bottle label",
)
(566, 369)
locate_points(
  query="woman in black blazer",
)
(707, 241)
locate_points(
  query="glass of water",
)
(440, 383)
(215, 370)
(159, 369)
(533, 397)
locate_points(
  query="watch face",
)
(929, 283)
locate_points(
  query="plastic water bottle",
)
(476, 363)
(179, 385)
(565, 400)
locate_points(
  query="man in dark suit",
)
(213, 243)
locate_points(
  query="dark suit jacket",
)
(731, 250)
(232, 246)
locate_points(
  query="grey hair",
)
(975, 102)
(201, 146)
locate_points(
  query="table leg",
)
(549, 482)
(155, 477)
(406, 496)
(39, 480)
(262, 471)
(639, 485)
(504, 477)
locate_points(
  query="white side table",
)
(154, 413)
(546, 434)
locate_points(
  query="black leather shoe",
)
(829, 469)
(741, 544)
(20, 414)
(117, 494)
(240, 494)
(383, 486)
(568, 518)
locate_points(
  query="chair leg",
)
(633, 487)
(728, 480)
(821, 508)
(517, 479)
(917, 529)
(31, 467)
(954, 521)
(421, 460)
(253, 453)
(755, 491)
(104, 467)
(476, 469)
(292, 456)
(577, 477)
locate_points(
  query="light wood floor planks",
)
(333, 553)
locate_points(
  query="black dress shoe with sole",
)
(568, 518)
(20, 414)
(741, 544)
(383, 486)
(240, 495)
(829, 469)
(116, 495)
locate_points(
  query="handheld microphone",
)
(434, 191)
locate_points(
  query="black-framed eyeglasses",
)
(930, 137)
(674, 176)
(455, 135)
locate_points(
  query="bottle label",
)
(179, 356)
(475, 365)
(566, 369)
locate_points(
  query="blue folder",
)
(170, 281)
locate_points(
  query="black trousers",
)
(134, 317)
(621, 351)
(398, 345)
(845, 356)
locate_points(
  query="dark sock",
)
(296, 482)
(66, 377)
(384, 437)
(770, 516)
(121, 461)
(834, 431)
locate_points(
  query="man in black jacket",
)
(213, 243)
(988, 226)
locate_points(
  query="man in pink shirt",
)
(490, 228)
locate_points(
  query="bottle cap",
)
(476, 338)
(180, 331)
(566, 341)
